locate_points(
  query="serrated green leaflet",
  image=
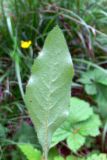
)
(81, 123)
(79, 110)
(48, 91)
(95, 83)
(93, 156)
(75, 141)
(58, 158)
(97, 157)
(90, 127)
(29, 151)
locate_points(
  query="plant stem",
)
(19, 79)
(104, 135)
(45, 156)
(78, 6)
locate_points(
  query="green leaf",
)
(60, 135)
(58, 158)
(3, 131)
(96, 75)
(75, 141)
(97, 157)
(89, 157)
(26, 134)
(100, 76)
(90, 127)
(48, 91)
(79, 110)
(95, 82)
(82, 122)
(30, 152)
(101, 99)
(91, 89)
(74, 158)
(53, 153)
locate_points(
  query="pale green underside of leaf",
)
(48, 91)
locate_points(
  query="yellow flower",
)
(26, 44)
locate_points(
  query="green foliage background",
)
(84, 24)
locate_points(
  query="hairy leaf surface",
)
(48, 91)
